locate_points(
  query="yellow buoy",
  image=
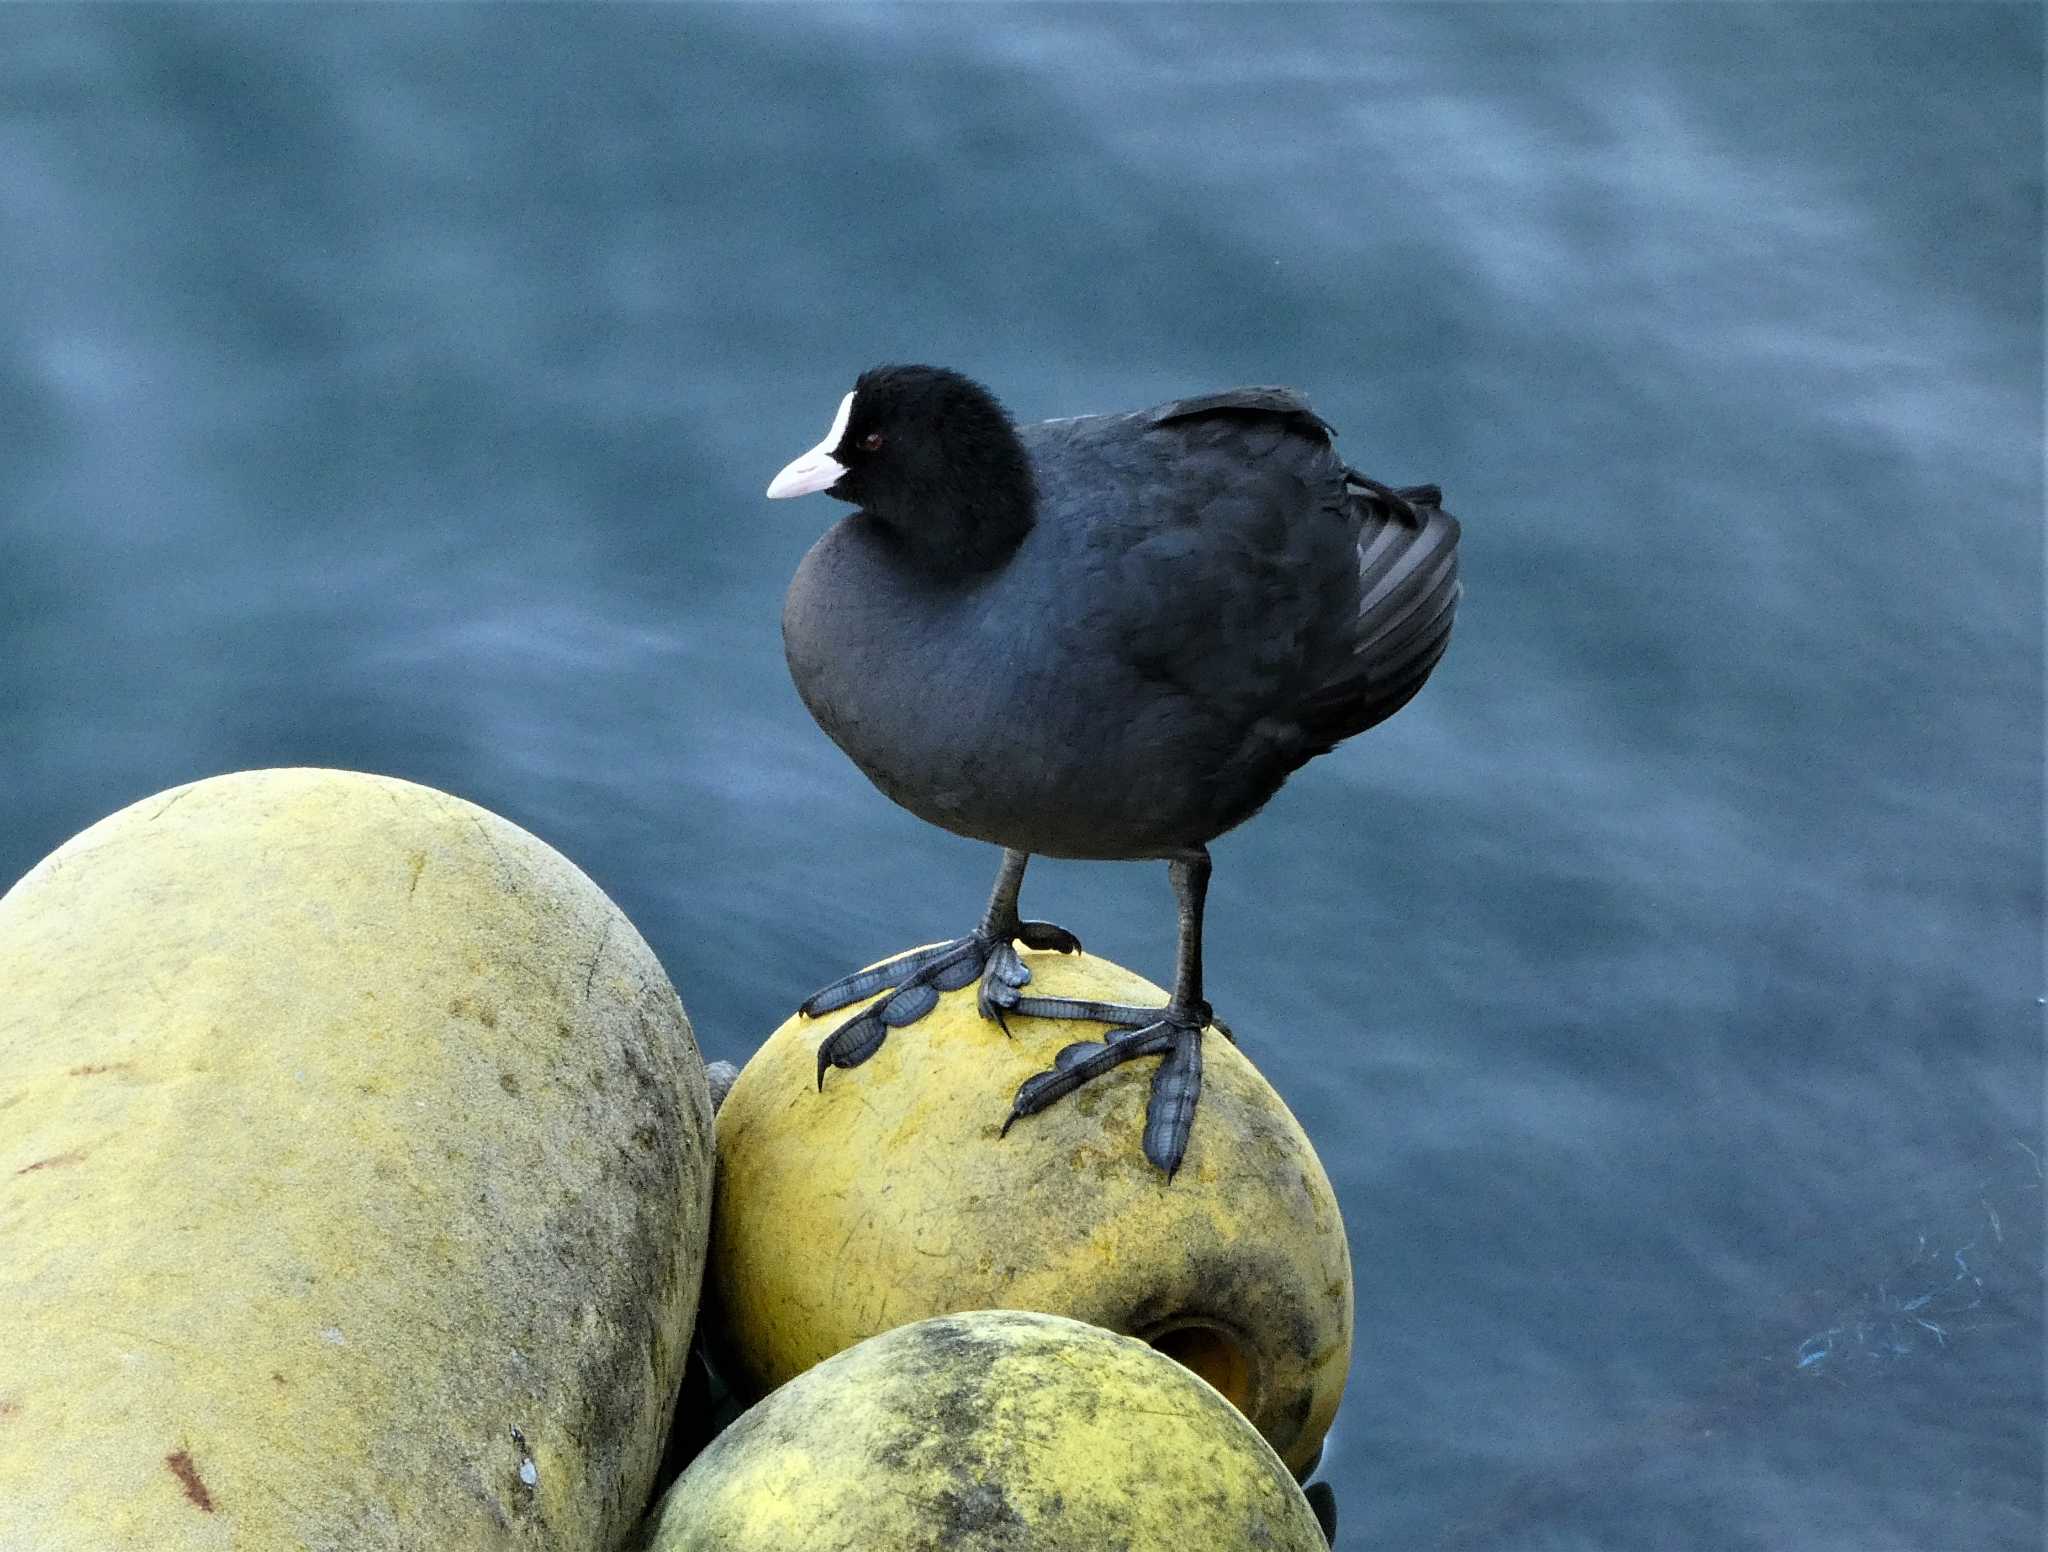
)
(354, 1172)
(893, 1195)
(986, 1431)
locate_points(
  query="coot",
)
(1108, 637)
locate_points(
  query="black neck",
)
(966, 522)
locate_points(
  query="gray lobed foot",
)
(1172, 1032)
(916, 979)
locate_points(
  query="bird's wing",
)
(1408, 592)
(1283, 404)
(1237, 577)
(1297, 599)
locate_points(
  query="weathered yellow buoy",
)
(354, 1171)
(892, 1195)
(985, 1431)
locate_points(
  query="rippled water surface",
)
(394, 388)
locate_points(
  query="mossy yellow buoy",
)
(893, 1195)
(354, 1172)
(989, 1430)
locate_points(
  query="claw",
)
(1170, 1112)
(1005, 972)
(914, 982)
(865, 983)
(1044, 934)
(862, 1035)
(1076, 1064)
(852, 1042)
(1007, 966)
(1176, 1086)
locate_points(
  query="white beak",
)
(817, 469)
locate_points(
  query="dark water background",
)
(394, 388)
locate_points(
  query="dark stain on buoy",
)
(51, 1162)
(180, 1462)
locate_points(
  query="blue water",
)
(394, 388)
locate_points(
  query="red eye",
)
(872, 441)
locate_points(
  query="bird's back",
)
(1270, 600)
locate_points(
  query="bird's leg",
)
(989, 952)
(1174, 1031)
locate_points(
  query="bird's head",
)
(932, 456)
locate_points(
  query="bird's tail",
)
(1408, 596)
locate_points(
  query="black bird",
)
(1109, 637)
